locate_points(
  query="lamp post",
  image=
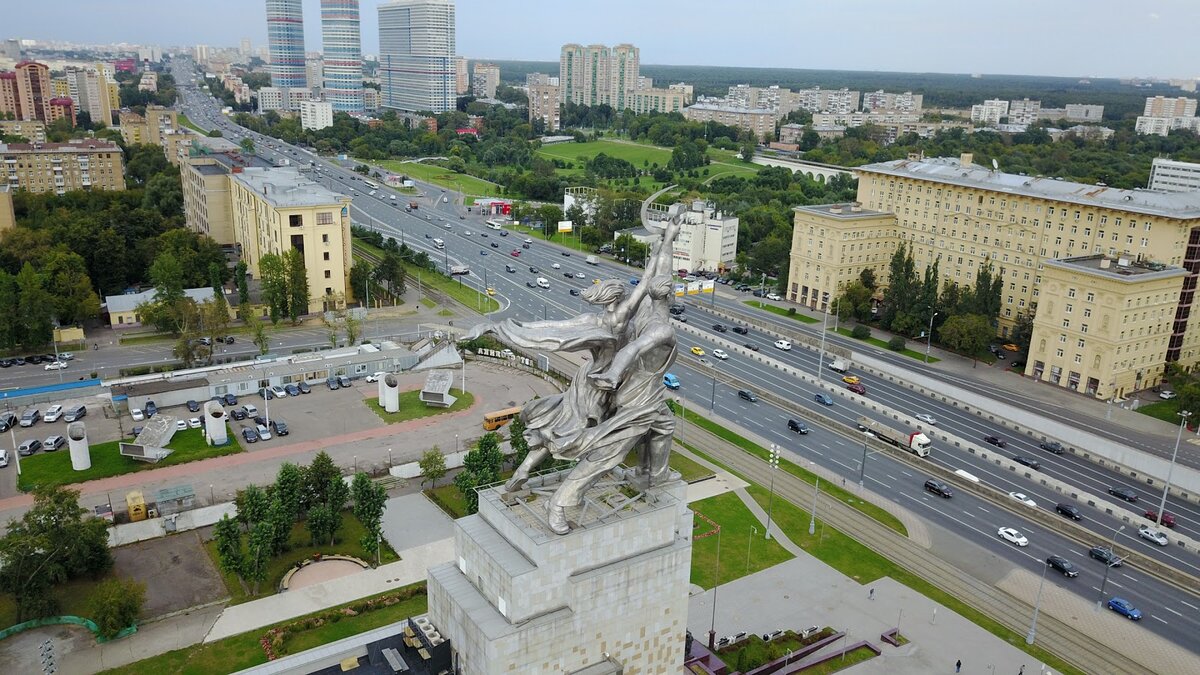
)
(1112, 394)
(821, 350)
(267, 399)
(929, 336)
(1113, 560)
(1162, 505)
(1037, 606)
(812, 521)
(773, 460)
(862, 466)
(750, 540)
(712, 629)
(712, 405)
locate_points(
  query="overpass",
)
(814, 170)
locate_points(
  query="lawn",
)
(54, 468)
(882, 344)
(1167, 411)
(746, 551)
(412, 408)
(454, 288)
(781, 311)
(643, 157)
(430, 173)
(568, 240)
(184, 121)
(72, 599)
(244, 651)
(299, 548)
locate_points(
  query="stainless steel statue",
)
(616, 400)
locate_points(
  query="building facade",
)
(882, 100)
(88, 164)
(544, 105)
(417, 68)
(1161, 126)
(485, 80)
(316, 114)
(285, 43)
(1081, 112)
(462, 76)
(1169, 175)
(989, 112)
(1024, 111)
(93, 95)
(598, 74)
(656, 100)
(26, 92)
(150, 129)
(760, 121)
(342, 67)
(707, 239)
(314, 68)
(32, 131)
(1160, 106)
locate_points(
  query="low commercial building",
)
(316, 114)
(122, 310)
(81, 164)
(1168, 175)
(759, 121)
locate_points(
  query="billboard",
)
(565, 226)
(680, 289)
(693, 288)
(708, 286)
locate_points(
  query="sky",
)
(1100, 38)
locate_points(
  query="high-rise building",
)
(314, 68)
(416, 55)
(485, 80)
(342, 42)
(1024, 111)
(598, 74)
(1158, 106)
(462, 80)
(11, 49)
(989, 112)
(26, 93)
(92, 94)
(316, 114)
(285, 39)
(244, 48)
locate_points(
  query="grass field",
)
(72, 599)
(774, 309)
(465, 295)
(568, 240)
(1167, 411)
(746, 551)
(54, 468)
(642, 156)
(459, 182)
(882, 344)
(412, 408)
(183, 119)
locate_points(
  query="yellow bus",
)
(497, 419)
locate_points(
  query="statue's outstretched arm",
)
(624, 359)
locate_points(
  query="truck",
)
(413, 205)
(591, 260)
(915, 442)
(458, 270)
(839, 365)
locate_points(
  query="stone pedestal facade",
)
(608, 597)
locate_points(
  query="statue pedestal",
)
(610, 596)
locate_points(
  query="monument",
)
(584, 569)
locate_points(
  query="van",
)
(30, 417)
(438, 243)
(670, 381)
(542, 282)
(75, 413)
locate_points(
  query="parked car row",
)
(32, 416)
(33, 359)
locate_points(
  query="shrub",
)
(896, 343)
(791, 311)
(860, 332)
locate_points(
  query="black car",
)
(250, 434)
(747, 395)
(676, 309)
(566, 254)
(938, 488)
(259, 419)
(31, 359)
(495, 245)
(751, 346)
(1031, 463)
(304, 388)
(292, 390)
(1052, 446)
(996, 441)
(741, 330)
(332, 383)
(1124, 493)
(19, 361)
(1061, 564)
(6, 363)
(238, 414)
(279, 427)
(568, 275)
(530, 284)
(151, 409)
(8, 420)
(1105, 555)
(533, 270)
(230, 399)
(797, 426)
(1069, 510)
(574, 291)
(344, 381)
(136, 431)
(193, 406)
(719, 328)
(759, 293)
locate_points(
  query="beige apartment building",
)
(462, 79)
(964, 216)
(485, 80)
(150, 129)
(31, 130)
(543, 105)
(760, 121)
(86, 164)
(654, 99)
(598, 74)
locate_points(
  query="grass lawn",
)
(412, 408)
(243, 651)
(450, 499)
(642, 156)
(72, 599)
(54, 468)
(141, 339)
(454, 288)
(867, 508)
(882, 344)
(735, 521)
(183, 119)
(781, 311)
(569, 240)
(430, 173)
(300, 547)
(428, 301)
(851, 658)
(1167, 411)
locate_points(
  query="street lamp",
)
(1112, 394)
(821, 350)
(1162, 505)
(712, 406)
(812, 522)
(1032, 635)
(1112, 561)
(773, 460)
(929, 337)
(862, 466)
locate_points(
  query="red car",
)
(516, 253)
(1168, 519)
(857, 388)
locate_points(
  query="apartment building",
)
(26, 94)
(285, 42)
(93, 94)
(316, 114)
(1161, 126)
(598, 74)
(760, 121)
(544, 105)
(1081, 112)
(1024, 111)
(148, 82)
(206, 206)
(417, 66)
(314, 68)
(32, 131)
(687, 90)
(150, 129)
(1160, 106)
(887, 101)
(532, 79)
(1168, 175)
(87, 164)
(658, 100)
(963, 216)
(707, 239)
(485, 79)
(370, 99)
(342, 85)
(989, 112)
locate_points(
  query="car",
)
(491, 291)
(460, 216)
(263, 432)
(250, 434)
(556, 266)
(568, 275)
(1061, 564)
(230, 400)
(720, 354)
(527, 241)
(747, 395)
(279, 391)
(66, 356)
(1168, 519)
(30, 417)
(1105, 555)
(151, 409)
(741, 330)
(1010, 347)
(1052, 447)
(291, 389)
(1124, 493)
(52, 413)
(8, 420)
(279, 427)
(698, 351)
(797, 426)
(207, 342)
(55, 365)
(938, 488)
(53, 443)
(996, 441)
(259, 419)
(229, 339)
(1012, 536)
(266, 393)
(719, 328)
(193, 405)
(1023, 498)
(784, 345)
(33, 359)
(679, 317)
(237, 414)
(482, 252)
(1151, 534)
(194, 422)
(250, 409)
(823, 398)
(19, 361)
(1124, 608)
(510, 269)
(926, 418)
(344, 381)
(1031, 463)
(759, 293)
(580, 275)
(484, 235)
(573, 291)
(137, 414)
(3, 457)
(304, 388)
(566, 254)
(516, 253)
(850, 379)
(774, 296)
(530, 284)
(495, 245)
(857, 389)
(1069, 510)
(181, 425)
(375, 377)
(6, 363)
(1166, 394)
(29, 447)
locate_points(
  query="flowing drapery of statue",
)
(615, 402)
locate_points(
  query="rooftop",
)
(1124, 269)
(847, 211)
(952, 171)
(730, 109)
(128, 302)
(86, 145)
(286, 186)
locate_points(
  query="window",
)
(296, 220)
(325, 218)
(1091, 297)
(326, 254)
(1070, 292)
(1087, 312)
(1079, 358)
(1083, 328)
(1066, 323)
(1058, 353)
(1070, 308)
(1080, 343)
(324, 239)
(328, 275)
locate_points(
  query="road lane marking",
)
(1158, 619)
(1173, 612)
(1190, 604)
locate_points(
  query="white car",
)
(52, 413)
(263, 432)
(1012, 536)
(784, 345)
(137, 414)
(926, 418)
(528, 240)
(194, 422)
(375, 377)
(556, 266)
(180, 425)
(1166, 394)
(580, 275)
(1021, 497)
(1150, 534)
(720, 354)
(55, 365)
(278, 391)
(773, 296)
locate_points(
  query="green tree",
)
(352, 326)
(966, 333)
(114, 605)
(432, 465)
(259, 550)
(228, 536)
(747, 152)
(320, 523)
(360, 278)
(516, 440)
(261, 339)
(1022, 333)
(289, 488)
(317, 478)
(252, 505)
(166, 273)
(855, 301)
(297, 284)
(243, 287)
(281, 525)
(274, 279)
(867, 278)
(248, 145)
(68, 282)
(370, 498)
(902, 288)
(10, 326)
(35, 306)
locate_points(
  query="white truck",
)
(915, 442)
(459, 270)
(839, 365)
(591, 260)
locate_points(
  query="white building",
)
(1082, 112)
(316, 114)
(707, 239)
(1169, 175)
(1161, 126)
(989, 112)
(1024, 111)
(416, 55)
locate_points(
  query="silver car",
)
(53, 443)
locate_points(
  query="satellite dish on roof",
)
(995, 164)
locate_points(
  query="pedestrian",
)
(871, 594)
(958, 666)
(1022, 670)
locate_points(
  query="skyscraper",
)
(285, 39)
(416, 55)
(598, 74)
(343, 54)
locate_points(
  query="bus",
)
(497, 419)
(371, 185)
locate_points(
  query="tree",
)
(902, 289)
(243, 287)
(317, 478)
(855, 301)
(860, 332)
(352, 326)
(516, 440)
(10, 326)
(481, 466)
(747, 153)
(228, 536)
(966, 333)
(166, 273)
(259, 550)
(248, 145)
(261, 339)
(432, 465)
(320, 523)
(1022, 333)
(114, 605)
(289, 489)
(369, 501)
(252, 505)
(360, 278)
(68, 282)
(297, 284)
(867, 277)
(35, 306)
(274, 279)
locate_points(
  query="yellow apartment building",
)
(81, 164)
(832, 244)
(32, 130)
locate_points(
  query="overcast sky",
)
(1035, 37)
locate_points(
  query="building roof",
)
(849, 211)
(128, 302)
(287, 187)
(1122, 269)
(952, 171)
(88, 145)
(732, 109)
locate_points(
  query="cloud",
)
(1153, 16)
